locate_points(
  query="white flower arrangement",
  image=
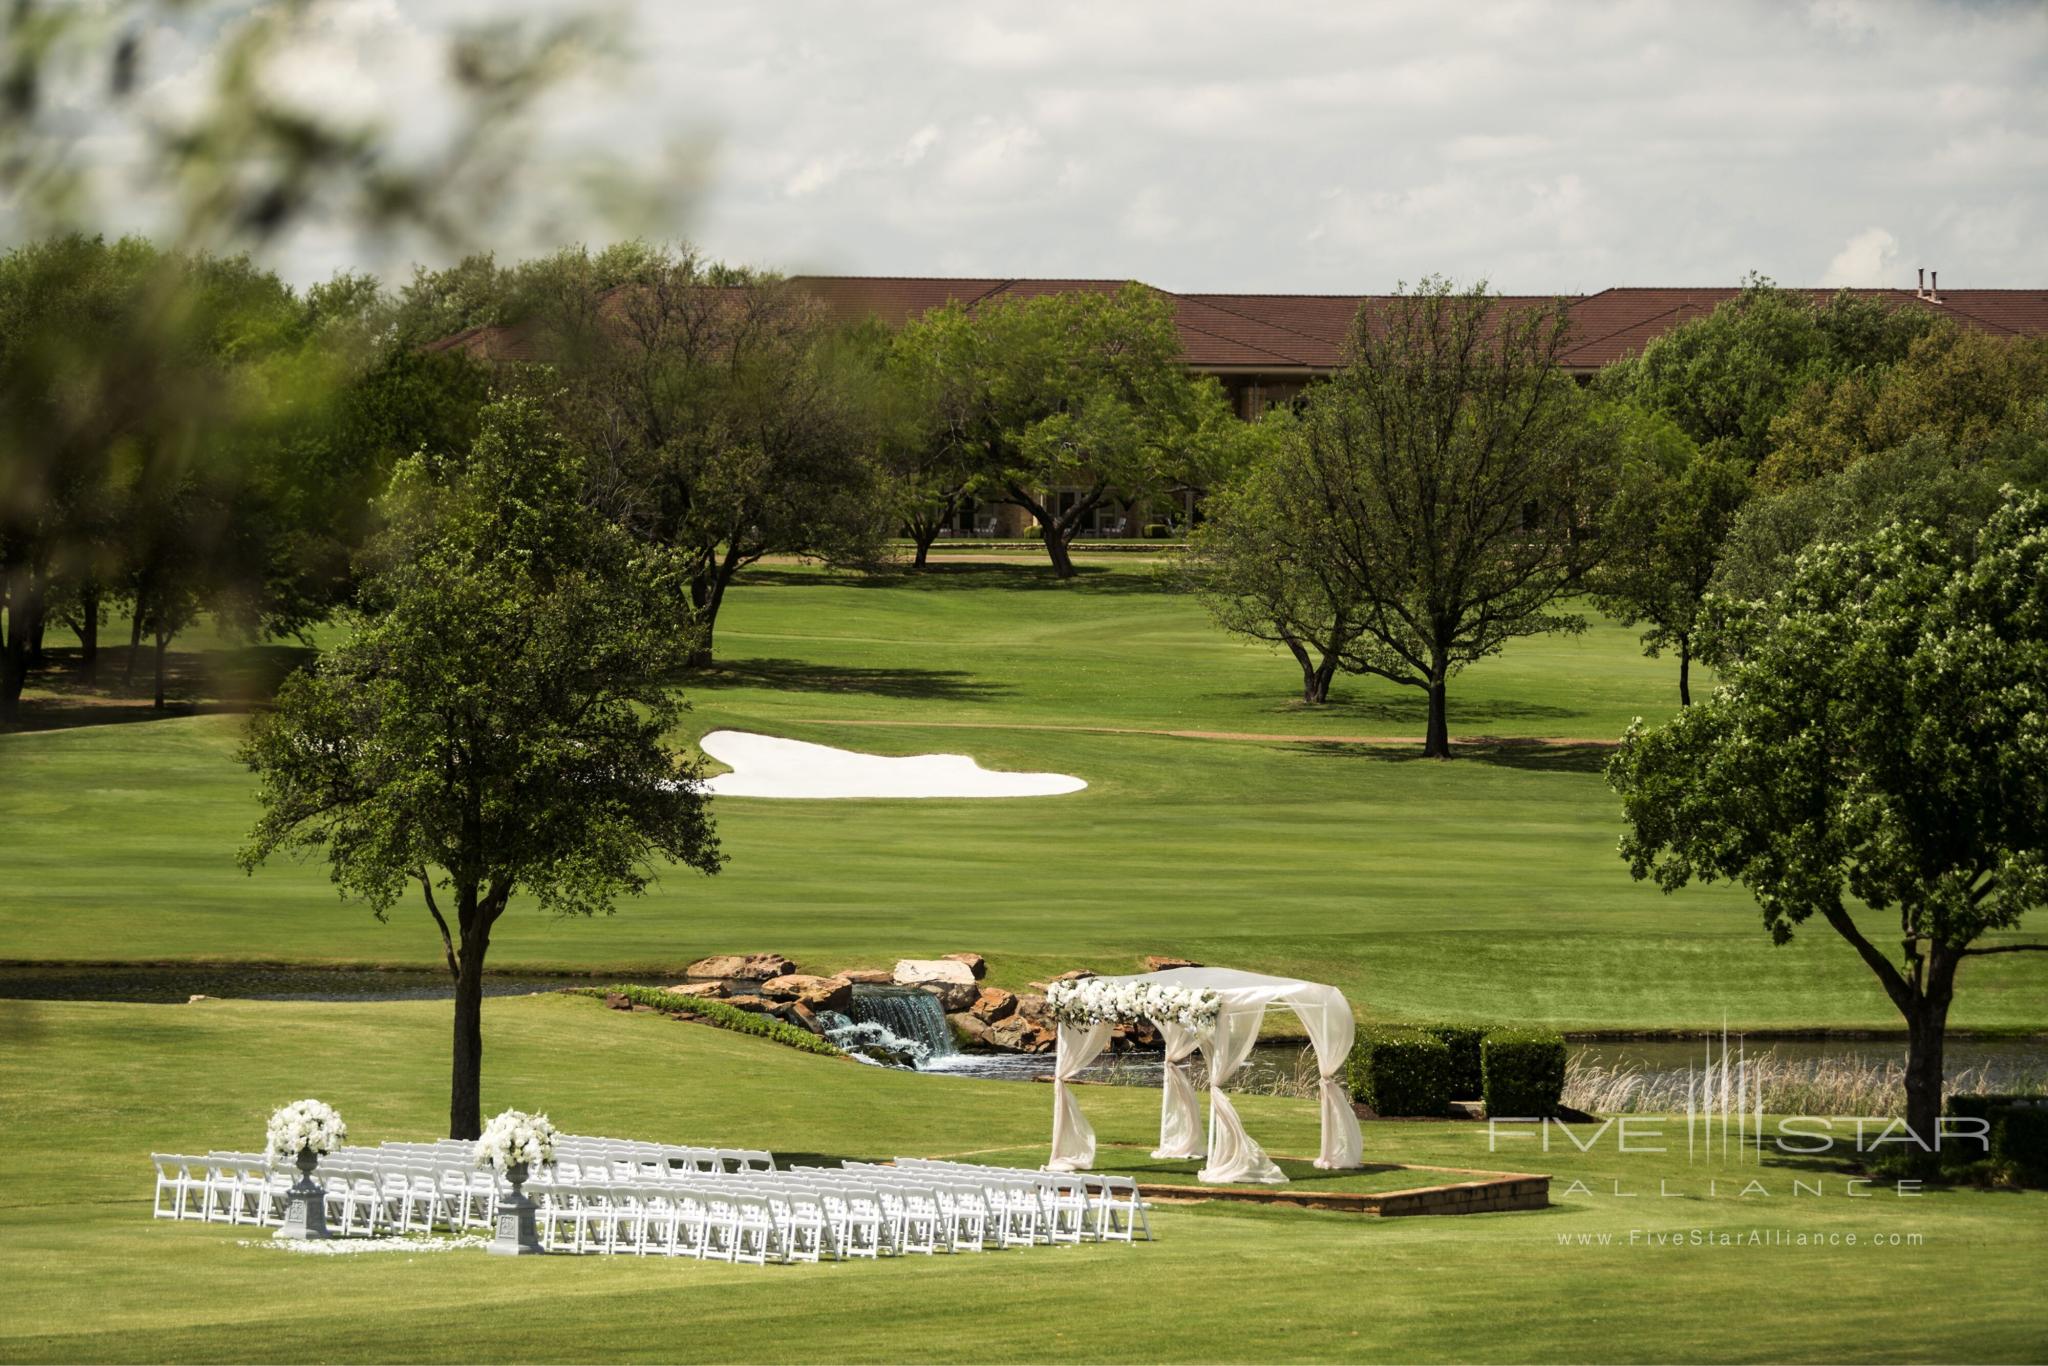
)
(1093, 1000)
(304, 1126)
(516, 1138)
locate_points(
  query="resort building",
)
(1264, 348)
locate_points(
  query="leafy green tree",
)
(720, 415)
(1254, 562)
(1073, 401)
(116, 365)
(1925, 480)
(1664, 534)
(246, 162)
(1976, 394)
(925, 413)
(1451, 475)
(1877, 739)
(1931, 437)
(495, 723)
(1725, 378)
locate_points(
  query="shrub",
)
(1399, 1071)
(1980, 1104)
(1156, 531)
(1463, 1041)
(2019, 1135)
(720, 1015)
(1521, 1073)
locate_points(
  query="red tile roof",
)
(1293, 332)
(1308, 331)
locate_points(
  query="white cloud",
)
(997, 159)
(815, 175)
(1868, 258)
(918, 145)
(1546, 146)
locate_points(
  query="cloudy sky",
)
(1304, 147)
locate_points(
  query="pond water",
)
(258, 983)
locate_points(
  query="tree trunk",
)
(465, 1083)
(1684, 671)
(705, 600)
(38, 619)
(1315, 678)
(1056, 539)
(1325, 674)
(13, 644)
(134, 644)
(1436, 742)
(163, 640)
(89, 631)
(924, 541)
(1926, 1035)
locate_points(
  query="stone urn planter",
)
(515, 1234)
(305, 1205)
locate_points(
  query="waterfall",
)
(892, 1025)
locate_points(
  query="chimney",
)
(1920, 289)
(1934, 286)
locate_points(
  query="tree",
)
(1451, 476)
(495, 723)
(1664, 534)
(720, 414)
(1071, 400)
(1932, 437)
(1972, 392)
(1925, 480)
(925, 415)
(1876, 739)
(108, 370)
(1254, 563)
(1725, 378)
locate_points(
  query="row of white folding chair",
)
(1106, 1202)
(683, 1157)
(1062, 1206)
(371, 1192)
(797, 1213)
(866, 1218)
(362, 1192)
(1015, 1214)
(1117, 1209)
(1032, 1206)
(676, 1221)
(227, 1188)
(967, 1215)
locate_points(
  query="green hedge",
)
(2019, 1130)
(1399, 1071)
(1463, 1041)
(1521, 1073)
(718, 1013)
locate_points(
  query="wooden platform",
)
(1483, 1193)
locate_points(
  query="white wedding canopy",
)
(1231, 1153)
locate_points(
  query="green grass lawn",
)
(1486, 887)
(90, 1090)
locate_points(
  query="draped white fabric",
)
(1233, 1156)
(1332, 1031)
(1073, 1138)
(1180, 1113)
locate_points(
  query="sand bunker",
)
(764, 766)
